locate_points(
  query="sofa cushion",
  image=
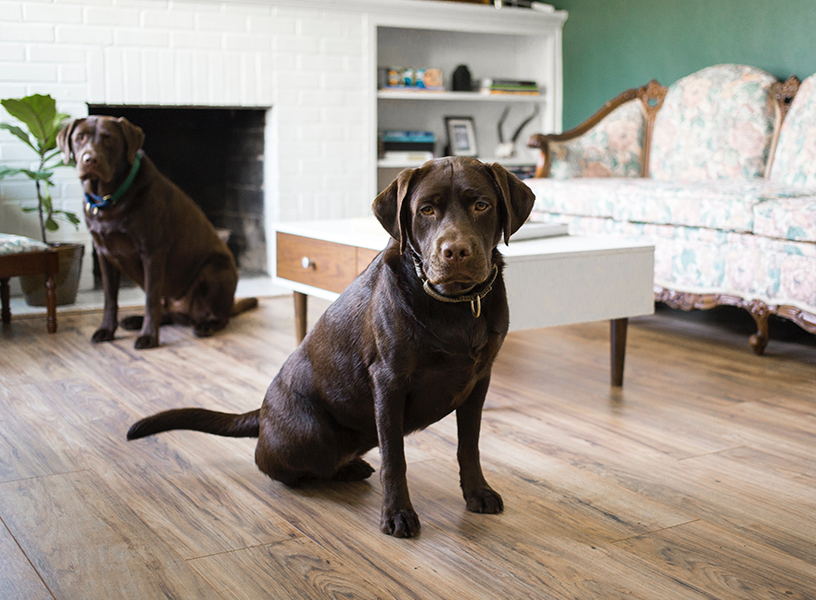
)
(703, 261)
(593, 197)
(715, 123)
(794, 162)
(721, 204)
(610, 149)
(787, 219)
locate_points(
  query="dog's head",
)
(453, 212)
(103, 147)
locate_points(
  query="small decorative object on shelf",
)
(507, 149)
(510, 86)
(410, 78)
(461, 79)
(534, 4)
(461, 136)
(406, 147)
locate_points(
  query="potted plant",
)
(39, 114)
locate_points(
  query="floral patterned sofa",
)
(718, 170)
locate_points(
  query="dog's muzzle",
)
(474, 295)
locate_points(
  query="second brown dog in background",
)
(144, 226)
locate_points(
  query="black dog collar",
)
(95, 203)
(474, 295)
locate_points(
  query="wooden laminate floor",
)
(696, 481)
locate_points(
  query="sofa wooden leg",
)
(759, 340)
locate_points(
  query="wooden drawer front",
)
(332, 266)
(364, 258)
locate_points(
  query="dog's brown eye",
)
(427, 210)
(481, 205)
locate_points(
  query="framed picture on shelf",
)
(461, 136)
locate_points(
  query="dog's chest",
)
(443, 382)
(117, 246)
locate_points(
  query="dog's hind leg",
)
(212, 298)
(135, 322)
(356, 470)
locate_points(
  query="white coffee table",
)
(551, 281)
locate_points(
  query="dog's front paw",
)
(484, 500)
(146, 341)
(103, 334)
(400, 523)
(132, 323)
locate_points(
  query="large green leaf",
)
(47, 203)
(8, 172)
(68, 216)
(39, 113)
(19, 133)
(37, 175)
(59, 119)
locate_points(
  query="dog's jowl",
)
(411, 340)
(144, 226)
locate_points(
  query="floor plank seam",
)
(631, 537)
(62, 474)
(23, 552)
(233, 550)
(712, 453)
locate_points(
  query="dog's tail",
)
(243, 305)
(198, 419)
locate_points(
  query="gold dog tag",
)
(95, 210)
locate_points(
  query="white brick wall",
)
(307, 65)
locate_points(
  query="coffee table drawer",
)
(321, 264)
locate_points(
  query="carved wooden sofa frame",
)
(651, 97)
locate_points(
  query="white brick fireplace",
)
(304, 62)
(310, 65)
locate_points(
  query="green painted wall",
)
(612, 45)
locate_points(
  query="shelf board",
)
(458, 96)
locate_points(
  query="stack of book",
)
(406, 146)
(510, 86)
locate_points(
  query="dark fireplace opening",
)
(216, 155)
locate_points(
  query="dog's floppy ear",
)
(64, 140)
(390, 208)
(134, 138)
(516, 199)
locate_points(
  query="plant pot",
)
(67, 280)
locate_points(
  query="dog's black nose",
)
(455, 251)
(88, 158)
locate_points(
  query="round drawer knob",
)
(306, 262)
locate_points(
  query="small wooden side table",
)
(31, 263)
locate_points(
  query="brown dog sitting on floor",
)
(144, 226)
(412, 339)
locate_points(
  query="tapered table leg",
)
(300, 316)
(617, 338)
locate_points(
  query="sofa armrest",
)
(614, 142)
